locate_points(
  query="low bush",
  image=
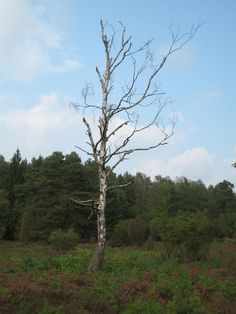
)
(64, 240)
(186, 236)
(155, 228)
(141, 306)
(130, 231)
(132, 280)
(136, 231)
(120, 234)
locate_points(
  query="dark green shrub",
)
(136, 231)
(2, 231)
(120, 234)
(130, 231)
(64, 240)
(187, 236)
(155, 228)
(25, 228)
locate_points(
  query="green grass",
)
(38, 279)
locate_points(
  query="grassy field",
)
(38, 279)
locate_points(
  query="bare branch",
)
(117, 151)
(133, 97)
(89, 203)
(119, 186)
(100, 78)
(84, 203)
(130, 151)
(122, 153)
(116, 129)
(85, 106)
(178, 41)
(121, 158)
(90, 135)
(84, 151)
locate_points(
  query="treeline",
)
(40, 197)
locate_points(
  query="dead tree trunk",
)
(139, 92)
(97, 259)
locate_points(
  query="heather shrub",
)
(144, 306)
(64, 240)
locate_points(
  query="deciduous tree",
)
(122, 117)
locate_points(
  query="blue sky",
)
(49, 50)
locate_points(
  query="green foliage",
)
(150, 243)
(186, 236)
(156, 228)
(73, 263)
(191, 304)
(188, 196)
(221, 199)
(228, 289)
(76, 263)
(2, 231)
(133, 280)
(64, 240)
(144, 307)
(136, 231)
(120, 234)
(25, 228)
(45, 187)
(130, 231)
(49, 309)
(9, 217)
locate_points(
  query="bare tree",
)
(109, 145)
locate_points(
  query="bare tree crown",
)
(122, 116)
(142, 91)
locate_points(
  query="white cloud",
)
(67, 65)
(195, 164)
(148, 137)
(28, 41)
(51, 125)
(44, 128)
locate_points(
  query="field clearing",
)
(38, 279)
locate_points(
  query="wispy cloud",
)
(51, 125)
(193, 163)
(207, 98)
(41, 129)
(28, 42)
